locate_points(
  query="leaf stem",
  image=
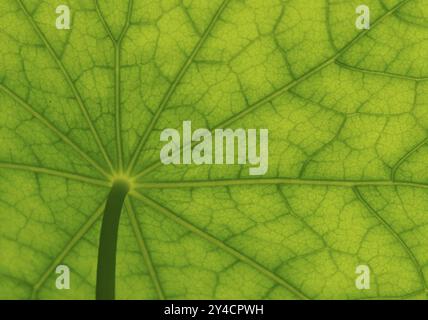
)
(106, 269)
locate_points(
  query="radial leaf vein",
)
(394, 234)
(276, 181)
(55, 173)
(143, 248)
(381, 73)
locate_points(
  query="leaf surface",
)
(347, 116)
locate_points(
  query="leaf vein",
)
(394, 234)
(143, 248)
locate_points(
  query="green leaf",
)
(347, 115)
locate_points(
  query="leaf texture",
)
(347, 113)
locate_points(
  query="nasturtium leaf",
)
(347, 114)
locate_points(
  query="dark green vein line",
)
(106, 267)
(118, 91)
(220, 244)
(289, 86)
(413, 150)
(117, 75)
(301, 219)
(70, 82)
(328, 23)
(323, 147)
(412, 21)
(393, 233)
(408, 295)
(116, 85)
(174, 85)
(55, 173)
(381, 73)
(143, 248)
(407, 156)
(66, 250)
(104, 22)
(51, 127)
(277, 181)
